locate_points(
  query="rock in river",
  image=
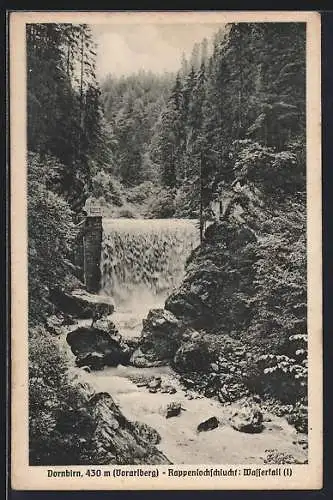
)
(144, 360)
(168, 389)
(160, 338)
(247, 420)
(82, 304)
(96, 348)
(208, 425)
(173, 410)
(155, 383)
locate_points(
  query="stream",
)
(181, 442)
(142, 261)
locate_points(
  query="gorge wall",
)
(236, 321)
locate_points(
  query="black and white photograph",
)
(167, 176)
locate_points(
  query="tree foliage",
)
(60, 428)
(249, 92)
(132, 106)
(64, 113)
(281, 298)
(51, 233)
(235, 110)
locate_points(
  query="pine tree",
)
(138, 98)
(169, 140)
(184, 66)
(204, 51)
(195, 57)
(64, 113)
(251, 88)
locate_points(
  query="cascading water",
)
(142, 262)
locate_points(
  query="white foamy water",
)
(142, 261)
(181, 442)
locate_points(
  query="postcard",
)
(165, 172)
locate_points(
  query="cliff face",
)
(204, 320)
(219, 281)
(119, 441)
(214, 297)
(238, 320)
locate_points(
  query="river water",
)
(142, 261)
(180, 441)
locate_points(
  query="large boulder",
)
(192, 356)
(208, 425)
(96, 348)
(82, 304)
(248, 420)
(160, 338)
(107, 326)
(119, 441)
(219, 279)
(194, 300)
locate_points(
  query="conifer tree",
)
(64, 112)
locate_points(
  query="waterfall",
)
(144, 259)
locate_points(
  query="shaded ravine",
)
(181, 442)
(142, 262)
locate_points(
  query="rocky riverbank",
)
(176, 371)
(195, 429)
(117, 439)
(211, 333)
(84, 425)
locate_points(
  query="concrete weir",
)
(92, 247)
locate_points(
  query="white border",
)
(26, 477)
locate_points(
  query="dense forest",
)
(189, 134)
(244, 101)
(229, 127)
(132, 106)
